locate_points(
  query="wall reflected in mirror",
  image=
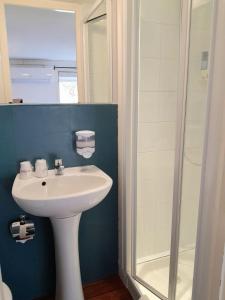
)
(42, 53)
(98, 56)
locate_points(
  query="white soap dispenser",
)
(85, 143)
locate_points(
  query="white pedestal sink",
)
(63, 199)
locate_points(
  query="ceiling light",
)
(26, 74)
(65, 11)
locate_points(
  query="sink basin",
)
(79, 189)
(63, 199)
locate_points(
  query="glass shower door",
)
(157, 106)
(195, 121)
(158, 121)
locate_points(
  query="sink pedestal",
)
(68, 279)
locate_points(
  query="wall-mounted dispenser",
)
(22, 230)
(85, 143)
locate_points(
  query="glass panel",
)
(193, 147)
(159, 58)
(98, 56)
(41, 43)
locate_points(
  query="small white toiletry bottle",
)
(41, 168)
(26, 170)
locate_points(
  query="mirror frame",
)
(5, 78)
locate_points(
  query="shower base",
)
(156, 274)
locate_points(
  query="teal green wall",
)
(47, 131)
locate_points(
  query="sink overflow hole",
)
(44, 183)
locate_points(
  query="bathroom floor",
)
(156, 273)
(109, 289)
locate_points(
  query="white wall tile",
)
(169, 35)
(148, 109)
(157, 106)
(161, 11)
(149, 75)
(150, 39)
(151, 10)
(168, 79)
(156, 136)
(167, 102)
(194, 135)
(170, 11)
(157, 165)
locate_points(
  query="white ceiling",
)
(40, 33)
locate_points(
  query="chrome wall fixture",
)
(22, 230)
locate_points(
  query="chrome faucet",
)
(59, 168)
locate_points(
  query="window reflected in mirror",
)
(42, 53)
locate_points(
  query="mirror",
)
(42, 54)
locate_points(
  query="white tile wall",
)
(159, 51)
(149, 75)
(160, 11)
(150, 33)
(156, 136)
(169, 44)
(168, 75)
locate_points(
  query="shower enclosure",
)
(170, 118)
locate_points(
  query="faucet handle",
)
(58, 162)
(59, 168)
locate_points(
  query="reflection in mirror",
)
(42, 54)
(98, 56)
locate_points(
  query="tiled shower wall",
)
(159, 52)
(159, 49)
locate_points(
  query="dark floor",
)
(109, 289)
